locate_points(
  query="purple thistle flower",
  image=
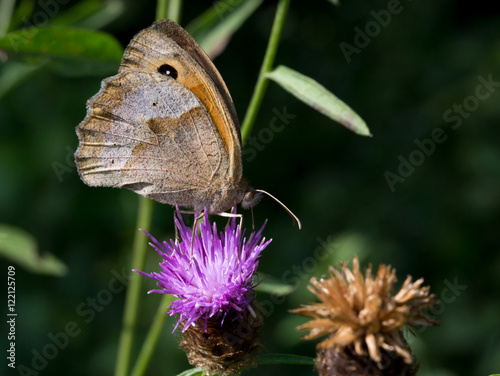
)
(212, 278)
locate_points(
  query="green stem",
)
(6, 9)
(161, 9)
(267, 64)
(174, 10)
(134, 289)
(169, 9)
(152, 337)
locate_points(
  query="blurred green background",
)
(439, 220)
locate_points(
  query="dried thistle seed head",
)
(361, 314)
(346, 362)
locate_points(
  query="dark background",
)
(441, 223)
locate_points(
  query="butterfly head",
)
(251, 198)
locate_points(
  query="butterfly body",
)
(165, 126)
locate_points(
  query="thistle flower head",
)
(211, 273)
(362, 316)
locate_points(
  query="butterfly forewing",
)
(166, 43)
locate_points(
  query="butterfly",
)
(166, 127)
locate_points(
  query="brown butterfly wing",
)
(175, 139)
(149, 133)
(166, 43)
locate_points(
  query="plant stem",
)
(152, 337)
(267, 64)
(161, 9)
(174, 10)
(169, 9)
(133, 291)
(6, 9)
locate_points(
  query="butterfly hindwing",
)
(147, 133)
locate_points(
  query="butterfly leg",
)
(232, 215)
(197, 220)
(177, 212)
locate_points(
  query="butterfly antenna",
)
(294, 217)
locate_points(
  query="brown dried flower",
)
(363, 319)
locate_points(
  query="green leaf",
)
(285, 359)
(72, 52)
(74, 15)
(24, 10)
(214, 28)
(20, 247)
(273, 286)
(318, 97)
(110, 12)
(90, 14)
(206, 21)
(6, 11)
(192, 372)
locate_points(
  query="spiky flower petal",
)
(210, 273)
(362, 316)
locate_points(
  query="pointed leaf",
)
(273, 286)
(75, 14)
(90, 14)
(318, 97)
(285, 359)
(214, 28)
(69, 51)
(6, 11)
(23, 11)
(192, 372)
(211, 16)
(20, 247)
